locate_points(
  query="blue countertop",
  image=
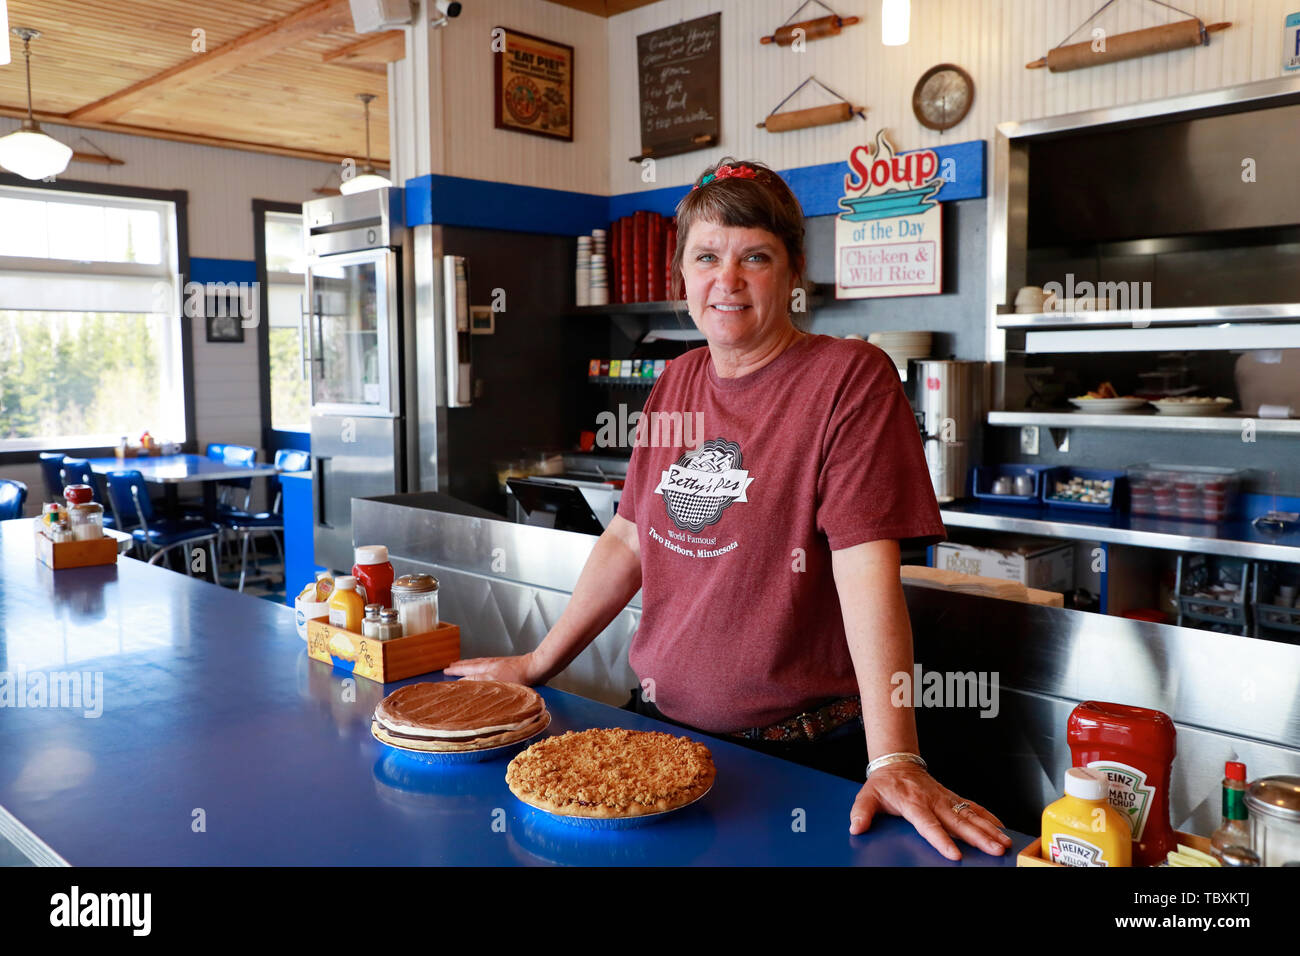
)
(221, 743)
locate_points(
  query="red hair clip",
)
(726, 172)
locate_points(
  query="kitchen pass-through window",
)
(90, 336)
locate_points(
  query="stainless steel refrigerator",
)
(381, 301)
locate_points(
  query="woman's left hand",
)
(905, 790)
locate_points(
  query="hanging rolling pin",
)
(814, 116)
(812, 29)
(1126, 46)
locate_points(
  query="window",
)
(90, 335)
(285, 268)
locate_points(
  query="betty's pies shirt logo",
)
(703, 484)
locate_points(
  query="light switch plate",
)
(1029, 440)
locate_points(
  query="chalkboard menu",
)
(679, 69)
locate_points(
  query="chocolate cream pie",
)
(458, 716)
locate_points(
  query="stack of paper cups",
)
(599, 282)
(582, 277)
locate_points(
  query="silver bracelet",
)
(900, 757)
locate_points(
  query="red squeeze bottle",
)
(374, 573)
(1134, 747)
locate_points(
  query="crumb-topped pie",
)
(611, 773)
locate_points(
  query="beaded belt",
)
(809, 725)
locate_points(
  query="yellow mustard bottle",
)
(1082, 828)
(347, 607)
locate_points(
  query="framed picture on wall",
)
(222, 316)
(533, 84)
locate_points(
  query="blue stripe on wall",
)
(455, 201)
(222, 270)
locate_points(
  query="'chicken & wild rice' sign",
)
(888, 235)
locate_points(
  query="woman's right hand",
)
(521, 669)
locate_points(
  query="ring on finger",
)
(957, 808)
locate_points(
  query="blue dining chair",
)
(228, 491)
(13, 495)
(52, 472)
(246, 526)
(77, 471)
(155, 536)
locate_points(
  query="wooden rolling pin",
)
(1126, 46)
(814, 116)
(812, 29)
(984, 587)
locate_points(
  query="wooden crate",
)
(75, 554)
(383, 661)
(1032, 855)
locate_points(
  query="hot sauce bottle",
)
(1134, 747)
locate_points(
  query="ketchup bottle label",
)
(1129, 792)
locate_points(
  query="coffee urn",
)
(952, 399)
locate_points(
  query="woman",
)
(767, 553)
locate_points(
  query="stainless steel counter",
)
(1230, 697)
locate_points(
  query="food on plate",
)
(459, 716)
(611, 772)
(1192, 400)
(1106, 391)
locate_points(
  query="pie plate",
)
(1108, 406)
(612, 823)
(465, 756)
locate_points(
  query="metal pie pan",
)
(465, 756)
(612, 823)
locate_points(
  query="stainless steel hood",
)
(1185, 179)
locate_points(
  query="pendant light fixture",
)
(895, 21)
(367, 178)
(27, 151)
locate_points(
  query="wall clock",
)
(943, 96)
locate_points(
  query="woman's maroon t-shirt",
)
(740, 489)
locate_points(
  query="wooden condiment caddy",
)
(1032, 855)
(75, 554)
(383, 661)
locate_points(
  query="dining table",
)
(171, 471)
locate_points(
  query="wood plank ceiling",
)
(277, 76)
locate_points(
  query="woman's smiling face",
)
(738, 284)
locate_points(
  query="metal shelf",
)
(1146, 421)
(1233, 538)
(1143, 318)
(816, 297)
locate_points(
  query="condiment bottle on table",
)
(374, 573)
(1134, 747)
(1235, 830)
(416, 603)
(1082, 828)
(346, 605)
(85, 515)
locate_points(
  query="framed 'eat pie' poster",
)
(534, 85)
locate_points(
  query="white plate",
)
(1192, 408)
(1108, 406)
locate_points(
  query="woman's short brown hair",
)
(763, 202)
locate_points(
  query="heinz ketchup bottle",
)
(1134, 747)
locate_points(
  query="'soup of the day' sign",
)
(888, 235)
